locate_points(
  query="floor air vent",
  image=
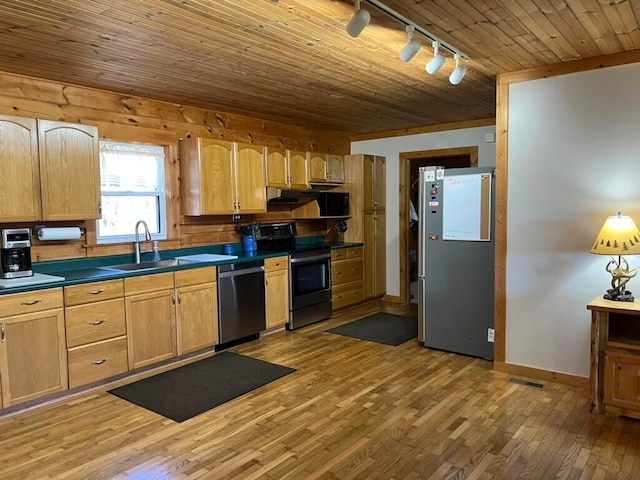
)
(526, 382)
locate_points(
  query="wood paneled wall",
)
(134, 119)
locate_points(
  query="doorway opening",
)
(410, 162)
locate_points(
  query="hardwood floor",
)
(352, 410)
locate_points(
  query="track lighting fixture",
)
(359, 21)
(458, 73)
(411, 48)
(437, 61)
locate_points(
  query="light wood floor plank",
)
(352, 410)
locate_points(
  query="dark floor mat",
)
(381, 327)
(187, 391)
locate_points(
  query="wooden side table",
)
(615, 357)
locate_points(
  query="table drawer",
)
(96, 321)
(28, 302)
(97, 361)
(93, 292)
(276, 263)
(347, 294)
(346, 271)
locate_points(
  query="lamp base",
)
(615, 294)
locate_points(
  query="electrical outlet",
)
(236, 217)
(490, 335)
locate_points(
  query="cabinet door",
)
(251, 195)
(380, 286)
(622, 381)
(379, 182)
(20, 179)
(335, 168)
(317, 167)
(69, 171)
(217, 192)
(197, 317)
(277, 298)
(298, 170)
(33, 356)
(374, 254)
(151, 330)
(277, 168)
(374, 183)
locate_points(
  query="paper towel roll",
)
(61, 233)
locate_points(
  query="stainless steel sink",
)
(134, 267)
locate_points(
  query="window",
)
(132, 185)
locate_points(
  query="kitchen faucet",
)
(147, 237)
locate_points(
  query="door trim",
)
(405, 171)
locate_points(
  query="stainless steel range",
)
(309, 273)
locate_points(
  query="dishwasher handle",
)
(237, 273)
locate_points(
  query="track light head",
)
(359, 21)
(411, 48)
(437, 61)
(458, 73)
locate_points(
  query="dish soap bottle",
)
(156, 251)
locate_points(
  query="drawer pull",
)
(31, 302)
(97, 322)
(99, 362)
(2, 333)
(96, 292)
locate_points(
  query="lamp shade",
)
(358, 22)
(618, 236)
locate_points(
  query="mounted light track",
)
(359, 21)
(437, 61)
(412, 47)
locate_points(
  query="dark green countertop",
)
(87, 270)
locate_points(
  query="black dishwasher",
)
(241, 301)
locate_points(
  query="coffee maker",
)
(15, 254)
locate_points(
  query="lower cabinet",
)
(347, 281)
(33, 357)
(196, 309)
(277, 291)
(96, 331)
(375, 281)
(622, 380)
(151, 321)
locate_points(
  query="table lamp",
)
(618, 236)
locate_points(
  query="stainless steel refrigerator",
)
(456, 255)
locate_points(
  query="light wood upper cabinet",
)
(69, 171)
(326, 168)
(374, 183)
(251, 194)
(51, 170)
(220, 177)
(335, 168)
(298, 170)
(277, 168)
(33, 355)
(20, 179)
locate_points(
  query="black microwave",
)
(333, 204)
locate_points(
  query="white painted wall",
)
(391, 149)
(574, 159)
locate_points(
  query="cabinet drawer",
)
(184, 278)
(97, 361)
(94, 322)
(28, 302)
(355, 252)
(148, 283)
(347, 294)
(622, 380)
(339, 254)
(276, 263)
(93, 292)
(346, 271)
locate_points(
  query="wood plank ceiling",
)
(292, 61)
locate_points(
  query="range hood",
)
(276, 196)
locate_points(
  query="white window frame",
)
(160, 195)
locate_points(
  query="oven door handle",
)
(311, 259)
